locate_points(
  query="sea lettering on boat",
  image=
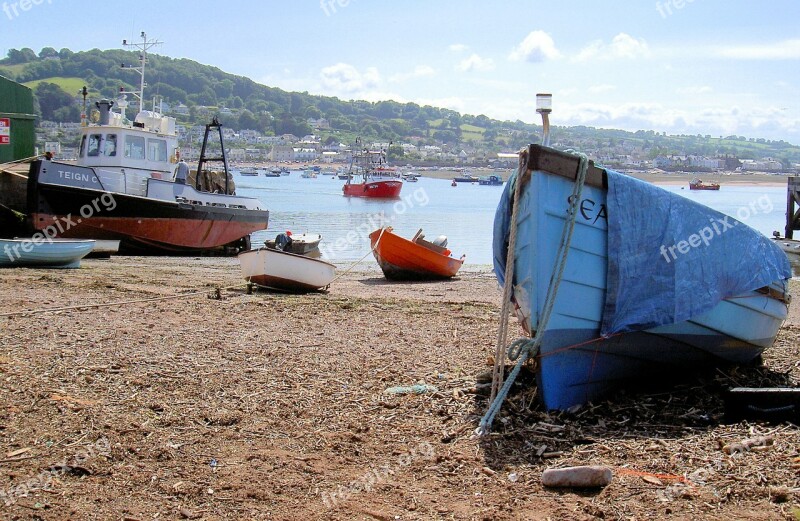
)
(591, 211)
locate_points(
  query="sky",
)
(710, 67)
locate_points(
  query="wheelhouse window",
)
(156, 150)
(83, 146)
(110, 148)
(93, 149)
(134, 147)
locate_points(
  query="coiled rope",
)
(524, 348)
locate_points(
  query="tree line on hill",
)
(274, 111)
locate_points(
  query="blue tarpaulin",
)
(671, 259)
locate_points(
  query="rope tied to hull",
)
(524, 348)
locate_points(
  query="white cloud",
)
(538, 46)
(694, 90)
(419, 71)
(785, 50)
(622, 46)
(457, 47)
(771, 122)
(345, 78)
(476, 63)
(597, 89)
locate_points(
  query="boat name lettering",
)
(593, 212)
(77, 176)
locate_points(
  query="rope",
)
(371, 250)
(524, 348)
(505, 310)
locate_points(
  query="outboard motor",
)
(104, 106)
(440, 241)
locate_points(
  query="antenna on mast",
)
(144, 46)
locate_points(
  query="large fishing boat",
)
(128, 184)
(369, 167)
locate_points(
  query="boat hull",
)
(141, 224)
(54, 253)
(575, 364)
(402, 259)
(380, 189)
(285, 271)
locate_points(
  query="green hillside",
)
(56, 77)
(68, 85)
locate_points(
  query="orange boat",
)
(415, 259)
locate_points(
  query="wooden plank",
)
(564, 165)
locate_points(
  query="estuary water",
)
(464, 213)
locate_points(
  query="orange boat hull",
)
(402, 259)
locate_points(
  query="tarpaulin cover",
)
(669, 258)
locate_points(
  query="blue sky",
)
(716, 67)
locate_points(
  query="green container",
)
(18, 137)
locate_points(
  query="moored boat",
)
(129, 184)
(490, 180)
(466, 178)
(285, 271)
(369, 166)
(699, 184)
(43, 253)
(301, 243)
(415, 259)
(636, 296)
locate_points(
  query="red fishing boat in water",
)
(698, 184)
(415, 259)
(367, 177)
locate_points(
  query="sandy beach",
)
(228, 405)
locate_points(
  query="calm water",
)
(464, 213)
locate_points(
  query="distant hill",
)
(56, 77)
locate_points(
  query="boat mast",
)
(143, 47)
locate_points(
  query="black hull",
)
(142, 225)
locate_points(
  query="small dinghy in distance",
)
(415, 259)
(54, 253)
(286, 271)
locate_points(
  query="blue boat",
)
(490, 180)
(53, 253)
(653, 284)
